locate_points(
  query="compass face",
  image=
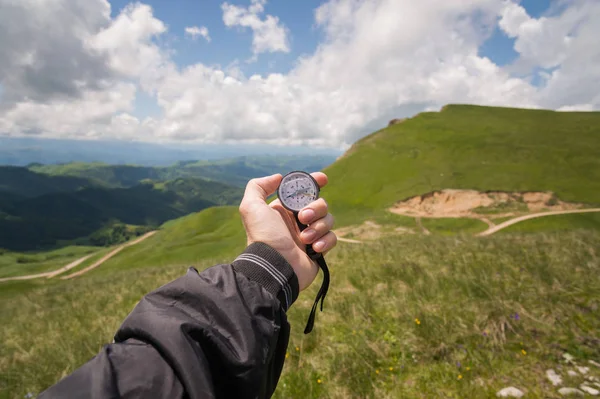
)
(297, 190)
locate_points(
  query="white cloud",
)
(379, 59)
(577, 107)
(195, 31)
(268, 34)
(566, 45)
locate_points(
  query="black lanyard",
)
(317, 257)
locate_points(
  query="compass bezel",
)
(282, 199)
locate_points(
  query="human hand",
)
(274, 225)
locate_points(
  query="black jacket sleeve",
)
(222, 333)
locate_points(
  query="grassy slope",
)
(214, 233)
(469, 147)
(464, 292)
(590, 221)
(19, 264)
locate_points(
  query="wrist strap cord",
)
(317, 257)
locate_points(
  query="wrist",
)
(266, 266)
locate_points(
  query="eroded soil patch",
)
(452, 203)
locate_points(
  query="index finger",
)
(321, 178)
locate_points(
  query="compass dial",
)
(297, 190)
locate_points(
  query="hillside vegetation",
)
(91, 204)
(469, 147)
(418, 317)
(446, 315)
(91, 215)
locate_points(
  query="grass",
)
(212, 233)
(557, 223)
(464, 292)
(20, 264)
(447, 315)
(469, 147)
(450, 226)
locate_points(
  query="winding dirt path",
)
(349, 240)
(510, 222)
(108, 256)
(79, 261)
(421, 227)
(51, 274)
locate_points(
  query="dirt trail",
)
(510, 222)
(485, 206)
(423, 229)
(108, 256)
(349, 240)
(50, 274)
(79, 261)
(69, 266)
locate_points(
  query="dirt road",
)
(349, 240)
(52, 273)
(79, 261)
(510, 222)
(108, 256)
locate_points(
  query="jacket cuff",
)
(261, 263)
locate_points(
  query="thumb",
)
(259, 189)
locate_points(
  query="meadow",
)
(407, 316)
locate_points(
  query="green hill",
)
(23, 182)
(469, 147)
(214, 233)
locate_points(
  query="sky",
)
(280, 72)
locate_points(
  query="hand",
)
(276, 226)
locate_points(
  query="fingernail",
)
(308, 215)
(319, 245)
(309, 234)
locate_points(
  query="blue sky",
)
(233, 45)
(278, 72)
(229, 44)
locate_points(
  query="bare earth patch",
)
(452, 203)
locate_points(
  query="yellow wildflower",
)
(319, 381)
(418, 321)
(468, 368)
(524, 352)
(376, 371)
(297, 349)
(460, 377)
(287, 355)
(391, 369)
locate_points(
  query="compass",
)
(297, 190)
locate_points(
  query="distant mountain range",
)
(44, 206)
(24, 151)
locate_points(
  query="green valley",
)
(46, 206)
